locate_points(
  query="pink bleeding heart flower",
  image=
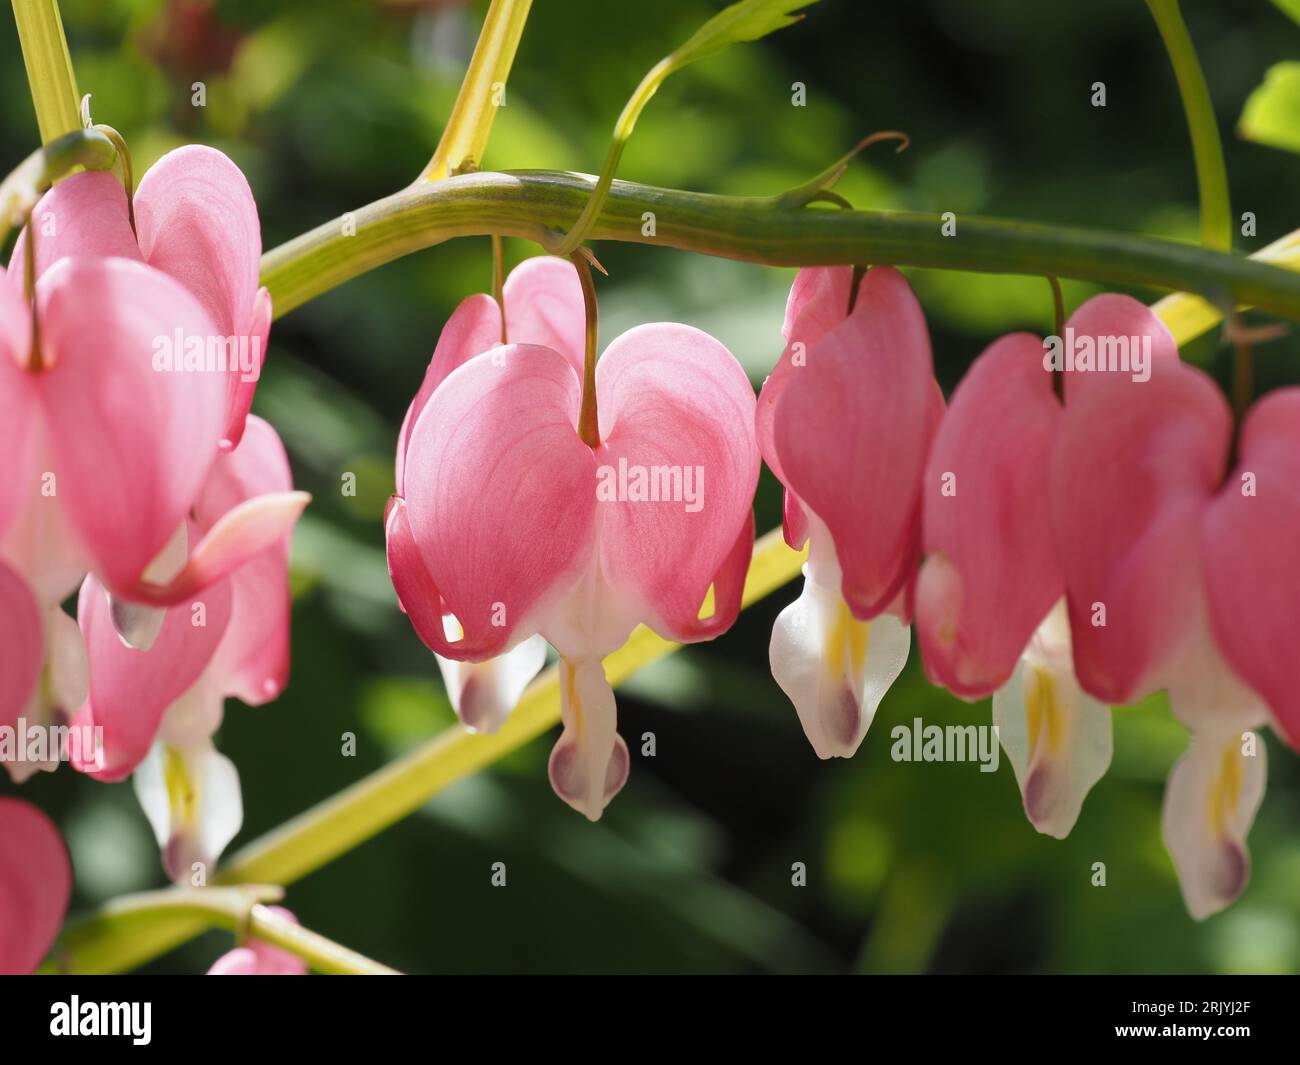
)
(106, 456)
(1252, 558)
(110, 449)
(1176, 578)
(159, 707)
(543, 305)
(511, 523)
(197, 222)
(35, 885)
(256, 958)
(845, 421)
(991, 573)
(988, 608)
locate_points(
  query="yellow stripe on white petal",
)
(1211, 799)
(484, 693)
(835, 668)
(1058, 739)
(192, 799)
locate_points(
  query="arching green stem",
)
(531, 204)
(49, 67)
(1207, 149)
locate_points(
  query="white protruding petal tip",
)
(484, 693)
(1058, 739)
(834, 668)
(590, 763)
(1210, 804)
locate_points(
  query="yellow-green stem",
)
(49, 67)
(1207, 149)
(465, 137)
(239, 909)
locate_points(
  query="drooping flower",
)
(256, 958)
(514, 525)
(110, 415)
(160, 707)
(543, 305)
(1186, 586)
(845, 422)
(197, 222)
(35, 885)
(987, 617)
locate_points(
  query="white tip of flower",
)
(589, 764)
(1211, 799)
(1058, 739)
(484, 693)
(835, 668)
(138, 625)
(192, 800)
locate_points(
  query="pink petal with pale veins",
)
(84, 216)
(253, 660)
(1250, 540)
(17, 402)
(1133, 468)
(818, 301)
(501, 515)
(131, 690)
(131, 445)
(35, 885)
(676, 406)
(473, 328)
(992, 574)
(197, 221)
(852, 429)
(22, 638)
(1111, 319)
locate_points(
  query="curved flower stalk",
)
(256, 958)
(514, 525)
(845, 421)
(35, 885)
(159, 708)
(1194, 588)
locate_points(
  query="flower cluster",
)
(1067, 534)
(135, 477)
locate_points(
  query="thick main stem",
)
(532, 204)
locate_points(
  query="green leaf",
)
(1290, 7)
(1272, 113)
(747, 20)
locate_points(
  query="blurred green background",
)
(910, 867)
